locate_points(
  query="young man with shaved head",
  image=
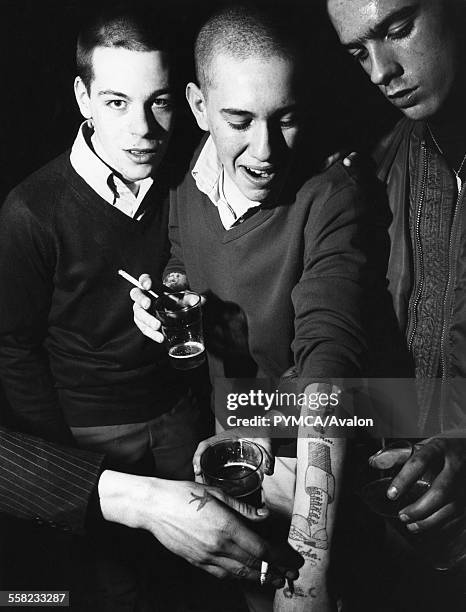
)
(275, 246)
(73, 366)
(413, 51)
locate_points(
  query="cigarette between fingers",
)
(264, 570)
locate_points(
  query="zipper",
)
(413, 311)
(447, 292)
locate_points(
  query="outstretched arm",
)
(197, 522)
(318, 480)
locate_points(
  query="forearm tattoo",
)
(311, 530)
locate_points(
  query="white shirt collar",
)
(211, 178)
(101, 178)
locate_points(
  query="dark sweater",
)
(288, 282)
(68, 343)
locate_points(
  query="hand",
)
(348, 159)
(445, 499)
(198, 523)
(235, 434)
(149, 325)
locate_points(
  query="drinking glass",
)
(236, 466)
(181, 318)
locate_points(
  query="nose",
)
(143, 123)
(383, 65)
(261, 142)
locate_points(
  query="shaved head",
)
(241, 32)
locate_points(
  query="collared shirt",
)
(102, 179)
(211, 178)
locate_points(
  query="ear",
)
(198, 106)
(82, 98)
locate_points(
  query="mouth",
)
(260, 175)
(403, 98)
(141, 156)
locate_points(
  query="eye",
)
(288, 121)
(359, 54)
(162, 103)
(401, 30)
(239, 126)
(116, 104)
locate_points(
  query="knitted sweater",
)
(286, 286)
(68, 343)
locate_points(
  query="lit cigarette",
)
(264, 570)
(135, 282)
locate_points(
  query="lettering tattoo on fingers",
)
(203, 499)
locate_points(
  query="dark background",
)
(38, 113)
(39, 119)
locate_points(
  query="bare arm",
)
(318, 480)
(196, 522)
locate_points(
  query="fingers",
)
(389, 458)
(437, 519)
(349, 159)
(435, 497)
(331, 159)
(269, 459)
(148, 324)
(282, 556)
(197, 456)
(145, 281)
(413, 469)
(140, 298)
(443, 501)
(231, 569)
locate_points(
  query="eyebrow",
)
(119, 94)
(381, 28)
(236, 112)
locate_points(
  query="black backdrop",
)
(38, 114)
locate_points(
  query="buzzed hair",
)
(242, 31)
(136, 27)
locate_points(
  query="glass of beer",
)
(181, 318)
(235, 466)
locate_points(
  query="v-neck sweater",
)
(68, 343)
(295, 271)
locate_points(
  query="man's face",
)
(405, 46)
(131, 108)
(251, 111)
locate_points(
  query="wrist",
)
(124, 497)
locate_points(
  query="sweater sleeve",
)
(47, 483)
(329, 298)
(26, 277)
(175, 269)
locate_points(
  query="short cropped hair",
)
(125, 26)
(242, 31)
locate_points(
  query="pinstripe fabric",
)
(44, 482)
